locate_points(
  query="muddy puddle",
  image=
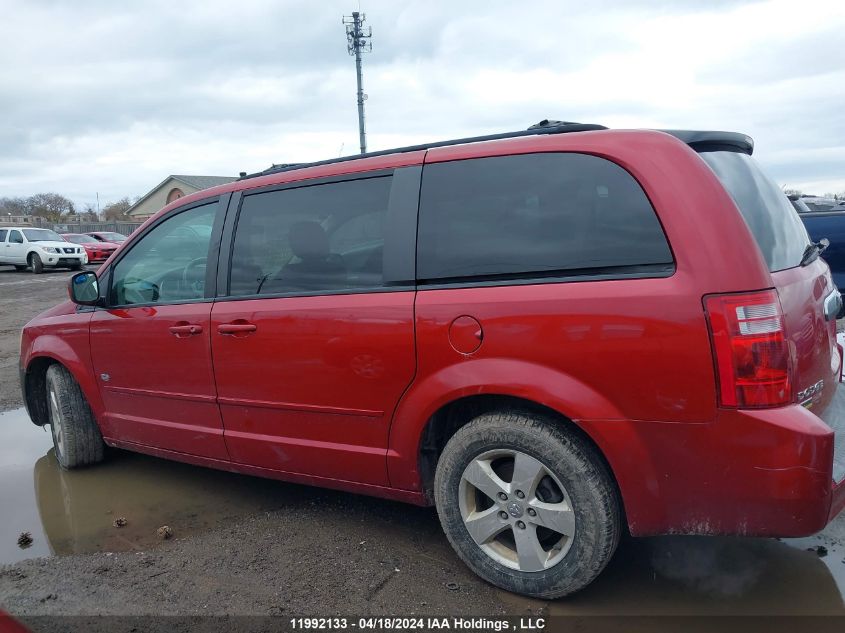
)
(695, 575)
(73, 512)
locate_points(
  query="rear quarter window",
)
(534, 215)
(767, 211)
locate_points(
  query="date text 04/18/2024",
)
(456, 623)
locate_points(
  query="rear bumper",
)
(756, 473)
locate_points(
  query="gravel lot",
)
(313, 552)
(22, 296)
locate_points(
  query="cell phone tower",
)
(358, 42)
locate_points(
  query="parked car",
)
(26, 247)
(96, 250)
(108, 236)
(554, 336)
(798, 203)
(816, 203)
(826, 225)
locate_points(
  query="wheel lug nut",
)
(520, 494)
(532, 512)
(503, 514)
(503, 496)
(520, 525)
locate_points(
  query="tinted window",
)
(111, 237)
(3, 235)
(167, 264)
(534, 214)
(15, 237)
(775, 225)
(80, 239)
(321, 238)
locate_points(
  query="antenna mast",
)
(358, 42)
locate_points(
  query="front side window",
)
(15, 237)
(319, 238)
(167, 264)
(534, 215)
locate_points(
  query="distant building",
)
(170, 189)
(8, 218)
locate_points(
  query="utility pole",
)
(359, 42)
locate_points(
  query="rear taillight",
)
(751, 352)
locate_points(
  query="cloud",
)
(110, 97)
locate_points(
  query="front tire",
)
(36, 264)
(527, 506)
(76, 437)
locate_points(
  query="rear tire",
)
(548, 519)
(36, 264)
(76, 437)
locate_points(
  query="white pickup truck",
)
(27, 247)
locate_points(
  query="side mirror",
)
(84, 289)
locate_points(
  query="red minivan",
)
(553, 335)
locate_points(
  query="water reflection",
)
(71, 512)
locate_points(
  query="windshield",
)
(112, 237)
(42, 235)
(767, 211)
(80, 239)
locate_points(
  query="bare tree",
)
(14, 206)
(51, 206)
(116, 211)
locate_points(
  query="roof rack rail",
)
(543, 127)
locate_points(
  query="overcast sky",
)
(110, 97)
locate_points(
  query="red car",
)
(552, 335)
(96, 250)
(108, 236)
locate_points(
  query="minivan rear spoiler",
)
(703, 141)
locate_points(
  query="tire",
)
(20, 267)
(36, 264)
(76, 437)
(76, 267)
(568, 486)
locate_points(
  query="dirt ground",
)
(22, 296)
(310, 552)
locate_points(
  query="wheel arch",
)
(449, 418)
(34, 378)
(526, 382)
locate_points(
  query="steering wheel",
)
(196, 285)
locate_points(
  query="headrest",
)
(308, 240)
